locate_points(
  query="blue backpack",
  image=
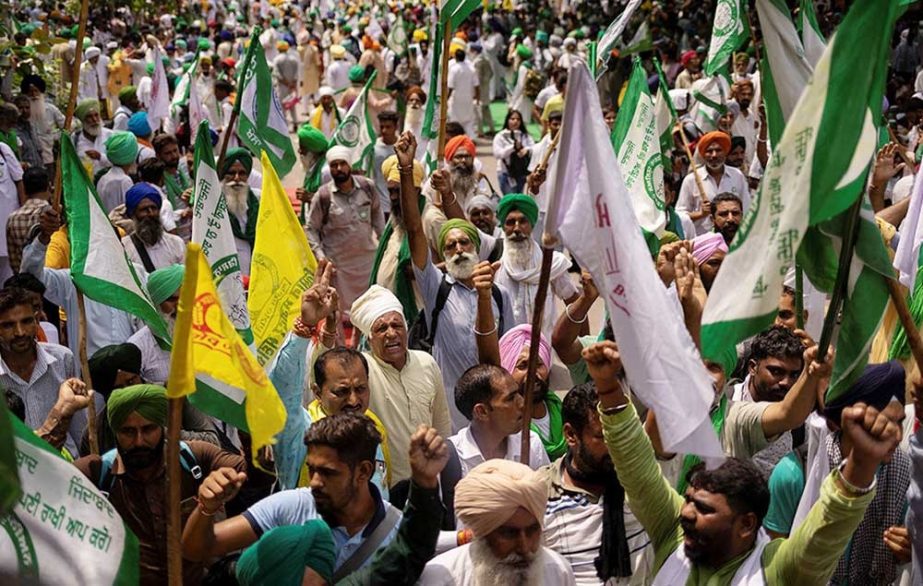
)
(186, 458)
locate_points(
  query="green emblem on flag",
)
(726, 17)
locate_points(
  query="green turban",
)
(180, 44)
(164, 283)
(541, 37)
(311, 139)
(122, 148)
(204, 44)
(356, 73)
(85, 107)
(149, 68)
(518, 201)
(523, 51)
(517, 31)
(149, 401)
(282, 554)
(127, 92)
(463, 225)
(237, 155)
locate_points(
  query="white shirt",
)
(462, 81)
(732, 181)
(155, 361)
(455, 568)
(112, 188)
(98, 144)
(469, 454)
(10, 173)
(747, 126)
(169, 250)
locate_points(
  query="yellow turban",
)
(391, 173)
(491, 493)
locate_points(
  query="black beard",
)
(141, 458)
(149, 230)
(728, 231)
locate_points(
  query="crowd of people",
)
(411, 351)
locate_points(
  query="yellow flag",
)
(210, 361)
(282, 268)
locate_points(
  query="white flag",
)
(613, 34)
(591, 210)
(160, 94)
(197, 111)
(907, 257)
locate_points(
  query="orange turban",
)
(716, 136)
(463, 142)
(493, 491)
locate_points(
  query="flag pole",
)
(842, 278)
(695, 168)
(799, 297)
(85, 368)
(72, 99)
(174, 493)
(229, 129)
(534, 341)
(444, 86)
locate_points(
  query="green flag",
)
(815, 176)
(430, 132)
(356, 132)
(665, 114)
(10, 489)
(729, 32)
(397, 37)
(262, 125)
(99, 266)
(455, 12)
(811, 36)
(211, 227)
(62, 530)
(637, 147)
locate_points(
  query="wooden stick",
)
(229, 128)
(72, 99)
(444, 87)
(550, 151)
(174, 494)
(695, 170)
(85, 371)
(842, 278)
(535, 340)
(799, 297)
(903, 312)
(226, 137)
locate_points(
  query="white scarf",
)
(750, 573)
(528, 280)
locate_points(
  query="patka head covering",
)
(716, 136)
(163, 283)
(237, 155)
(311, 139)
(282, 554)
(371, 305)
(122, 148)
(138, 193)
(513, 342)
(106, 363)
(338, 152)
(493, 491)
(518, 201)
(463, 225)
(459, 142)
(149, 401)
(706, 245)
(391, 172)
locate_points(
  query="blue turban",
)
(138, 192)
(139, 126)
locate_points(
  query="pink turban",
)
(491, 493)
(459, 142)
(705, 246)
(512, 343)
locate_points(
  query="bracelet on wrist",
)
(477, 333)
(853, 489)
(302, 330)
(571, 318)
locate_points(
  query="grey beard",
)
(149, 230)
(463, 184)
(518, 252)
(461, 266)
(491, 571)
(92, 131)
(37, 111)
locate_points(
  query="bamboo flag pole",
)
(174, 493)
(235, 113)
(695, 168)
(72, 99)
(444, 85)
(85, 371)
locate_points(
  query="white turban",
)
(371, 305)
(339, 153)
(491, 493)
(480, 201)
(325, 90)
(91, 52)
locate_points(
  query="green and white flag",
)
(356, 132)
(816, 174)
(456, 11)
(612, 36)
(636, 141)
(397, 37)
(811, 37)
(729, 31)
(710, 95)
(10, 489)
(261, 125)
(211, 228)
(62, 530)
(429, 138)
(665, 116)
(99, 265)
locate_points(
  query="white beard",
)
(92, 131)
(235, 192)
(461, 266)
(413, 119)
(37, 112)
(518, 253)
(490, 571)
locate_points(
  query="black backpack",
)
(421, 337)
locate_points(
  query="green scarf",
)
(690, 461)
(554, 443)
(249, 231)
(9, 138)
(403, 288)
(674, 224)
(176, 185)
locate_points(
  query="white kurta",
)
(10, 173)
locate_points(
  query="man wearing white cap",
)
(343, 216)
(503, 503)
(326, 115)
(92, 87)
(406, 385)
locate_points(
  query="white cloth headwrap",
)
(325, 90)
(371, 305)
(339, 153)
